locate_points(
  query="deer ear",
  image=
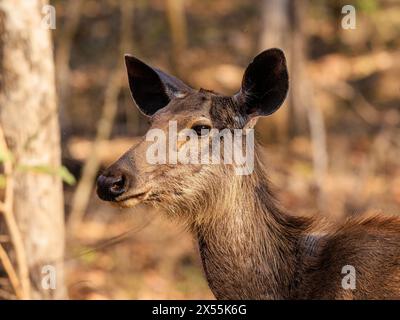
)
(151, 88)
(265, 84)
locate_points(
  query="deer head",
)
(169, 103)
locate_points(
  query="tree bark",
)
(175, 10)
(300, 91)
(275, 33)
(29, 118)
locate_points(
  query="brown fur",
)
(253, 249)
(250, 247)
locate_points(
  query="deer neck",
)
(249, 249)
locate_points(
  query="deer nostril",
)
(118, 185)
(108, 188)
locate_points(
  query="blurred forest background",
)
(332, 149)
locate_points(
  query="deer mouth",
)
(131, 200)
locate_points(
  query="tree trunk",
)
(29, 118)
(275, 33)
(175, 10)
(300, 91)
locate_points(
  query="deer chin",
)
(131, 200)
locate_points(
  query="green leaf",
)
(368, 6)
(67, 176)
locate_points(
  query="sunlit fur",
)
(250, 247)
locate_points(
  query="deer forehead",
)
(189, 106)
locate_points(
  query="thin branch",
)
(83, 191)
(7, 210)
(63, 55)
(11, 273)
(319, 151)
(361, 106)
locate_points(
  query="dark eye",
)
(201, 129)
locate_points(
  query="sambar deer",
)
(250, 247)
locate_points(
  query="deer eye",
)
(201, 129)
